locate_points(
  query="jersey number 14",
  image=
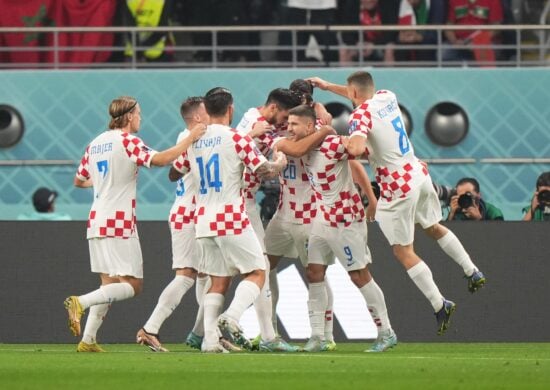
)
(210, 174)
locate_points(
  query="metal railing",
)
(529, 49)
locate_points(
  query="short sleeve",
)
(137, 151)
(333, 148)
(83, 171)
(181, 164)
(360, 122)
(248, 151)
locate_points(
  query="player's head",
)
(301, 122)
(304, 89)
(192, 111)
(125, 114)
(219, 103)
(360, 86)
(279, 101)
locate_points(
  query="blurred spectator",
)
(467, 204)
(157, 46)
(419, 13)
(310, 13)
(43, 200)
(539, 210)
(472, 12)
(369, 13)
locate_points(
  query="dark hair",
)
(470, 180)
(217, 101)
(362, 79)
(304, 89)
(284, 98)
(189, 105)
(543, 180)
(304, 111)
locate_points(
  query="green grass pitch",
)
(408, 366)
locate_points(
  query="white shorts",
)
(116, 256)
(398, 217)
(348, 244)
(184, 247)
(287, 239)
(256, 221)
(230, 255)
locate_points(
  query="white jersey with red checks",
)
(183, 209)
(217, 161)
(264, 143)
(390, 152)
(111, 161)
(330, 175)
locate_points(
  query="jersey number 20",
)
(210, 173)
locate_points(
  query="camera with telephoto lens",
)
(466, 200)
(543, 198)
(444, 193)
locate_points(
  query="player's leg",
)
(428, 215)
(195, 337)
(113, 257)
(274, 286)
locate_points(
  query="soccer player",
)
(184, 256)
(110, 165)
(339, 229)
(407, 194)
(263, 124)
(226, 242)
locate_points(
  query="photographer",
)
(467, 204)
(539, 210)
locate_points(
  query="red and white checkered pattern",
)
(390, 152)
(136, 149)
(297, 199)
(330, 174)
(360, 122)
(181, 164)
(111, 162)
(221, 210)
(182, 215)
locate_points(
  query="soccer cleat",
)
(151, 340)
(75, 311)
(329, 346)
(443, 316)
(256, 342)
(384, 341)
(314, 344)
(215, 348)
(277, 345)
(229, 346)
(85, 347)
(475, 281)
(234, 330)
(194, 341)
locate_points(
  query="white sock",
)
(94, 320)
(245, 295)
(202, 286)
(317, 305)
(263, 307)
(377, 305)
(212, 303)
(169, 299)
(108, 293)
(451, 246)
(421, 275)
(274, 287)
(329, 315)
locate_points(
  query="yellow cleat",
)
(74, 310)
(84, 347)
(329, 346)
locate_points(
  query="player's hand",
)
(260, 128)
(197, 131)
(280, 158)
(371, 211)
(318, 82)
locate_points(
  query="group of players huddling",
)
(216, 229)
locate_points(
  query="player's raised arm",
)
(326, 86)
(167, 156)
(299, 148)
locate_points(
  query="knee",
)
(314, 275)
(137, 285)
